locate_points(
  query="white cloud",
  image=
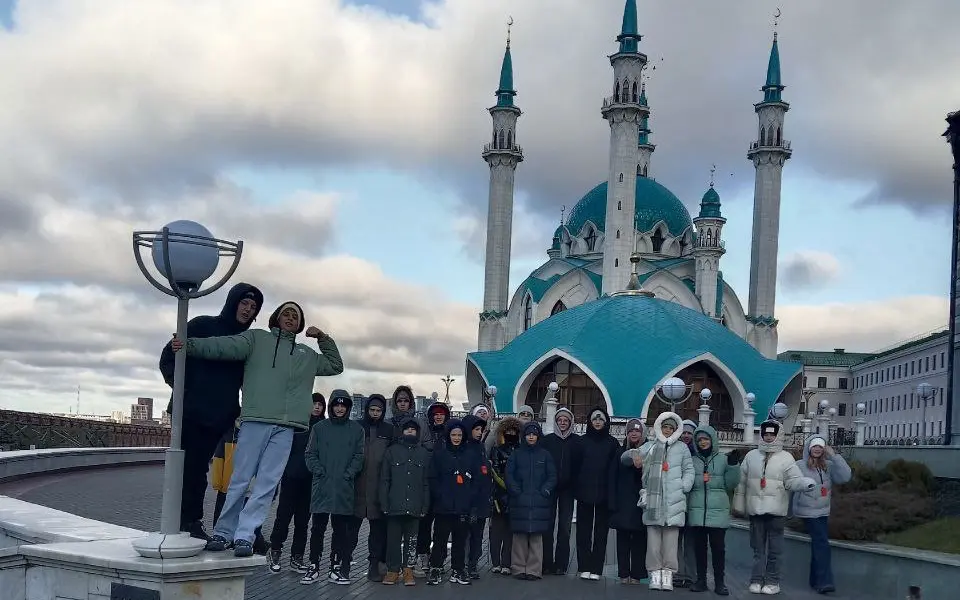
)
(808, 269)
(860, 326)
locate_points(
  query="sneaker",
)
(297, 565)
(473, 573)
(434, 578)
(720, 589)
(460, 577)
(217, 543)
(275, 561)
(754, 588)
(312, 575)
(422, 567)
(408, 578)
(770, 589)
(585, 575)
(339, 578)
(594, 577)
(495, 569)
(242, 548)
(391, 578)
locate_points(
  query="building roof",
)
(538, 286)
(652, 202)
(710, 204)
(631, 344)
(816, 358)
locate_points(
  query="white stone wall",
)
(499, 233)
(621, 189)
(766, 234)
(644, 154)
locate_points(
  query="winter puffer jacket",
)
(768, 474)
(531, 480)
(404, 487)
(708, 503)
(816, 503)
(594, 448)
(676, 479)
(563, 449)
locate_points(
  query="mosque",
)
(632, 291)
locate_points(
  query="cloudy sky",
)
(340, 140)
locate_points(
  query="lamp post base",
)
(162, 545)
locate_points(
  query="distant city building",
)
(885, 382)
(141, 413)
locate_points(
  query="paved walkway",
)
(130, 496)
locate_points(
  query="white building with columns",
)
(885, 383)
(631, 221)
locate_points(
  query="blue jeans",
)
(821, 571)
(261, 454)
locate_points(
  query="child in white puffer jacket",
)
(767, 476)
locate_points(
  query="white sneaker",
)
(655, 581)
(770, 590)
(755, 588)
(666, 580)
(594, 577)
(585, 575)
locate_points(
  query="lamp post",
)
(749, 418)
(953, 138)
(703, 413)
(447, 381)
(550, 406)
(832, 425)
(807, 424)
(822, 418)
(926, 392)
(860, 424)
(186, 254)
(492, 398)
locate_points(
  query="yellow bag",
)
(222, 467)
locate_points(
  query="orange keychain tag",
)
(459, 479)
(666, 467)
(706, 477)
(763, 482)
(823, 491)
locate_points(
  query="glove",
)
(732, 459)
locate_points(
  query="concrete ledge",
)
(25, 523)
(871, 569)
(19, 464)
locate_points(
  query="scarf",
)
(653, 480)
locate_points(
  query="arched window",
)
(633, 94)
(618, 234)
(577, 392)
(778, 136)
(494, 141)
(763, 136)
(501, 140)
(657, 240)
(527, 312)
(616, 93)
(591, 240)
(558, 308)
(618, 205)
(621, 177)
(616, 262)
(709, 239)
(509, 138)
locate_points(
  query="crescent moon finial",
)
(776, 21)
(509, 26)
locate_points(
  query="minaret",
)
(644, 147)
(624, 112)
(768, 154)
(502, 154)
(707, 250)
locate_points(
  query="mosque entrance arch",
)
(578, 392)
(700, 375)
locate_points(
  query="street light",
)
(779, 411)
(926, 392)
(492, 397)
(860, 424)
(186, 254)
(704, 411)
(550, 406)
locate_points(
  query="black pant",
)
(632, 553)
(559, 559)
(501, 541)
(199, 443)
(401, 542)
(318, 528)
(376, 538)
(715, 536)
(593, 525)
(445, 526)
(294, 504)
(341, 542)
(475, 542)
(423, 534)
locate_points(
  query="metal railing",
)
(24, 430)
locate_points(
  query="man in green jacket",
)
(278, 376)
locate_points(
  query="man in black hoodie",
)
(295, 489)
(435, 439)
(211, 393)
(563, 445)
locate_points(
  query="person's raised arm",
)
(328, 360)
(196, 327)
(226, 347)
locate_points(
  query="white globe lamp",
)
(553, 387)
(824, 404)
(192, 258)
(673, 389)
(705, 395)
(779, 411)
(750, 398)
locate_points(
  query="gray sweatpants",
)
(662, 545)
(766, 539)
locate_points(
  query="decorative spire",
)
(563, 210)
(629, 38)
(710, 203)
(634, 287)
(773, 86)
(713, 171)
(505, 92)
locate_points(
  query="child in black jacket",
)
(474, 427)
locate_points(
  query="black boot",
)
(196, 530)
(700, 585)
(719, 588)
(373, 571)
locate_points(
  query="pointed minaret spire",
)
(629, 37)
(644, 147)
(505, 91)
(773, 87)
(502, 154)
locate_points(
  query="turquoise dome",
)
(631, 343)
(710, 204)
(653, 203)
